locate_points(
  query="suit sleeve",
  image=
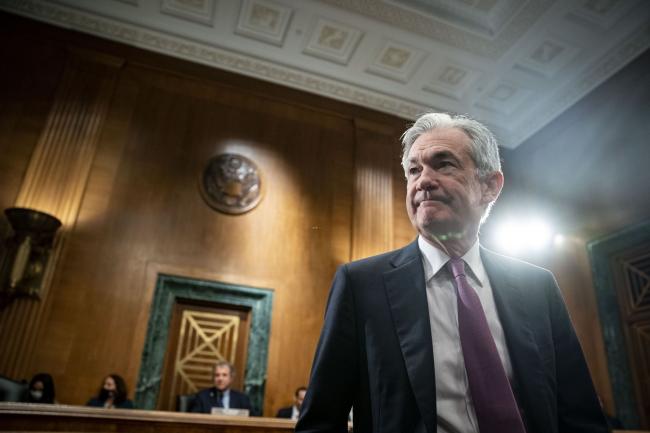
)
(197, 405)
(579, 410)
(246, 403)
(334, 374)
(283, 413)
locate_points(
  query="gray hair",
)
(484, 149)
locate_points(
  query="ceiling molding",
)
(211, 56)
(446, 31)
(514, 68)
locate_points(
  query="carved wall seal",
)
(231, 183)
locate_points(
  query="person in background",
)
(293, 412)
(41, 389)
(221, 395)
(112, 394)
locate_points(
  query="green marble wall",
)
(168, 289)
(601, 253)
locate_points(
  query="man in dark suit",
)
(292, 412)
(221, 395)
(443, 335)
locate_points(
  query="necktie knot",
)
(457, 267)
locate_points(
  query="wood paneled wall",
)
(570, 263)
(112, 140)
(55, 178)
(131, 202)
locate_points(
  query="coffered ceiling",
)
(514, 64)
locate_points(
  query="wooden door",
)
(632, 276)
(201, 334)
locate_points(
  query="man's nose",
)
(428, 179)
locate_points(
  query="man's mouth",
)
(431, 200)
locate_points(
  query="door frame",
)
(168, 289)
(602, 254)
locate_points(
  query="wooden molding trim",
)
(44, 417)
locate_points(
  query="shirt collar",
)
(435, 259)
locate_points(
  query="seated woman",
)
(112, 394)
(41, 389)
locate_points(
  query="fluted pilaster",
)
(376, 153)
(54, 182)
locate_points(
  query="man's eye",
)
(446, 164)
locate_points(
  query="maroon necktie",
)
(494, 403)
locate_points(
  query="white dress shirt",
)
(225, 399)
(454, 406)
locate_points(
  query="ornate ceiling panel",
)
(514, 64)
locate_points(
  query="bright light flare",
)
(538, 234)
(509, 237)
(515, 237)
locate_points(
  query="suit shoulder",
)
(205, 393)
(239, 393)
(514, 265)
(383, 260)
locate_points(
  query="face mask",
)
(104, 394)
(36, 394)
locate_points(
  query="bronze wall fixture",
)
(231, 183)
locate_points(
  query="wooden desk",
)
(26, 417)
(45, 418)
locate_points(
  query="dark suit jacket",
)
(375, 351)
(285, 412)
(207, 399)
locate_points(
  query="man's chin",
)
(435, 222)
(440, 229)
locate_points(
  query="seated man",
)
(293, 412)
(221, 395)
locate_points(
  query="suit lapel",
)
(526, 361)
(406, 293)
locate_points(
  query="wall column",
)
(372, 222)
(54, 182)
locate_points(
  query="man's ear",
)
(491, 186)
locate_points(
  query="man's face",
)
(444, 197)
(299, 398)
(222, 377)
